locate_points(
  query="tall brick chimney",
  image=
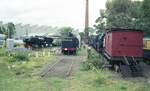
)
(87, 18)
(87, 14)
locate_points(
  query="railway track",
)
(62, 68)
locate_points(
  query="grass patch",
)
(92, 81)
(143, 88)
(2, 52)
(23, 75)
(57, 84)
(99, 81)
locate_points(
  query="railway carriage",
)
(146, 42)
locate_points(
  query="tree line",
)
(12, 30)
(125, 14)
(8, 29)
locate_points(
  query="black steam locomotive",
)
(37, 42)
(69, 44)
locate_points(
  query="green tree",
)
(82, 35)
(2, 28)
(91, 30)
(100, 23)
(146, 17)
(1, 31)
(65, 31)
(120, 13)
(10, 30)
(136, 14)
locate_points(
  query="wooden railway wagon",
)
(146, 42)
(120, 43)
(123, 48)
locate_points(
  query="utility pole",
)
(86, 19)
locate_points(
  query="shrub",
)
(21, 56)
(85, 66)
(18, 57)
(94, 60)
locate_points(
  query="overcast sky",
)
(49, 12)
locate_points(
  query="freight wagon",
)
(123, 48)
(120, 43)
